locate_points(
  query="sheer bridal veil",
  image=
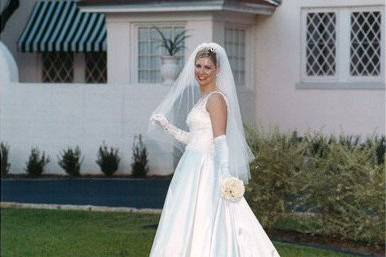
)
(183, 95)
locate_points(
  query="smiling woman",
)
(197, 220)
(206, 69)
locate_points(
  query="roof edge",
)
(220, 5)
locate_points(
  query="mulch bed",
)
(329, 243)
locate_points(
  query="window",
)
(321, 44)
(365, 39)
(58, 67)
(96, 71)
(342, 45)
(235, 47)
(150, 50)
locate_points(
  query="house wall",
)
(30, 64)
(202, 27)
(53, 116)
(122, 37)
(280, 102)
(56, 116)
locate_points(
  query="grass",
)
(62, 233)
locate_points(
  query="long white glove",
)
(179, 134)
(221, 155)
(232, 188)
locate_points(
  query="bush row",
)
(70, 160)
(338, 181)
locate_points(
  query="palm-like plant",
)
(175, 44)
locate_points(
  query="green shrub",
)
(107, 160)
(36, 162)
(339, 180)
(5, 165)
(346, 191)
(139, 166)
(71, 160)
(278, 159)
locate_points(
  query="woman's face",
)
(205, 71)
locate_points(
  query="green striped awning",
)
(56, 26)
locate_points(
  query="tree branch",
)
(7, 12)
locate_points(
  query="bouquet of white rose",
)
(232, 189)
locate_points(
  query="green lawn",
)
(62, 233)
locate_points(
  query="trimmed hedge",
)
(108, 159)
(36, 162)
(338, 181)
(70, 160)
(4, 162)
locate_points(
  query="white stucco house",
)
(89, 70)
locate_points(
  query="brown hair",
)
(208, 52)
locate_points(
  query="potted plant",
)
(169, 66)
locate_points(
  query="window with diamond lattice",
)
(58, 67)
(321, 44)
(96, 68)
(365, 39)
(150, 50)
(235, 47)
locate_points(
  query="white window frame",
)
(304, 76)
(343, 30)
(382, 57)
(247, 50)
(135, 48)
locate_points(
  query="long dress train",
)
(196, 221)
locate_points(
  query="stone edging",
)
(78, 207)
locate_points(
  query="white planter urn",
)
(169, 69)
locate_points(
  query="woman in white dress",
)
(196, 220)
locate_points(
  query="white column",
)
(118, 50)
(200, 31)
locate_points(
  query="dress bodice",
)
(200, 125)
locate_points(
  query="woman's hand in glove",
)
(160, 120)
(178, 134)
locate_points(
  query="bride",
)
(197, 219)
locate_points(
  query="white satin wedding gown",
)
(196, 221)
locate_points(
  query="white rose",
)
(232, 189)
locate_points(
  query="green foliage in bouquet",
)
(139, 166)
(4, 163)
(71, 160)
(36, 162)
(108, 160)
